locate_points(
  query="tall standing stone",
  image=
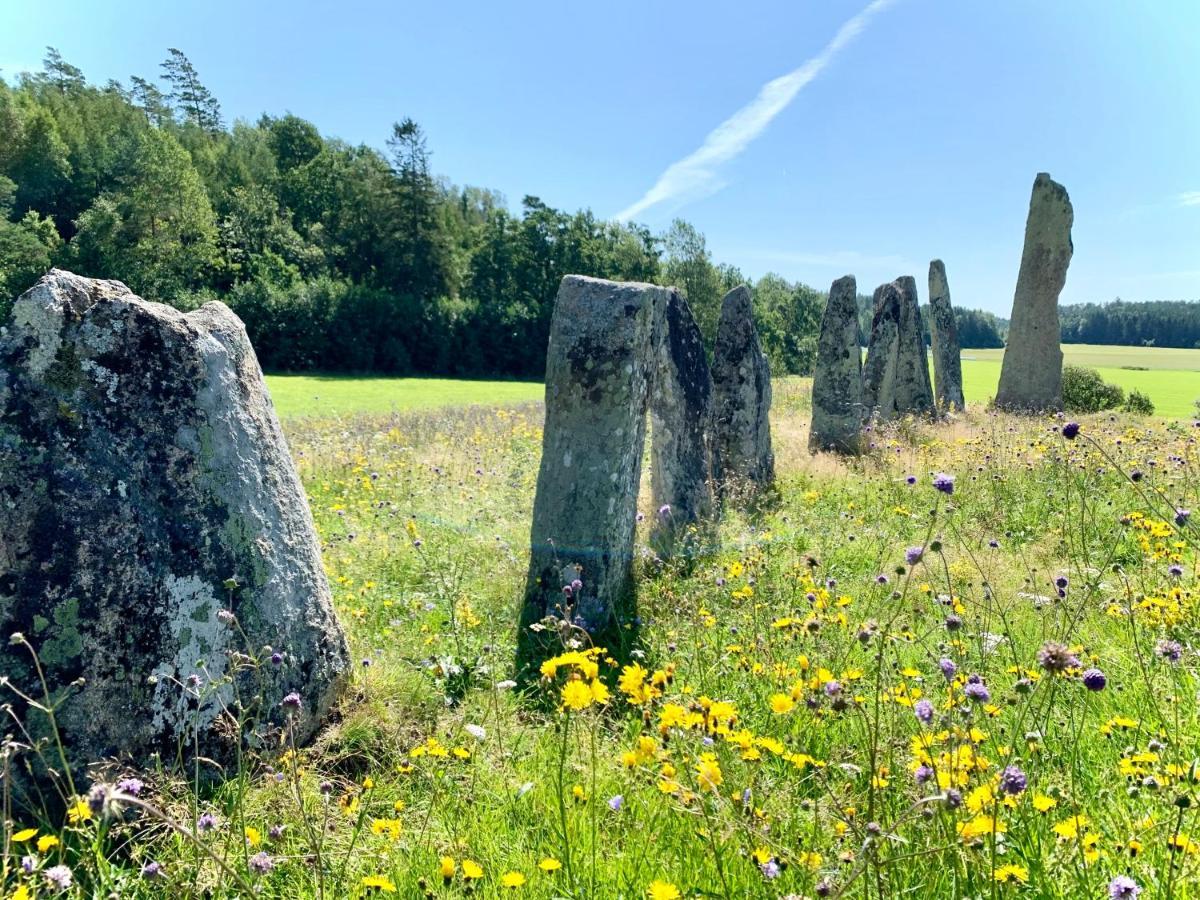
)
(1031, 374)
(681, 396)
(598, 370)
(837, 400)
(896, 373)
(741, 395)
(943, 332)
(147, 497)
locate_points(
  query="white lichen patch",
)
(107, 379)
(200, 638)
(39, 312)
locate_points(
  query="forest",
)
(352, 258)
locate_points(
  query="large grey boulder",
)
(741, 397)
(147, 493)
(681, 418)
(1031, 374)
(837, 397)
(896, 372)
(943, 333)
(598, 369)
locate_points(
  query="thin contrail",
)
(696, 173)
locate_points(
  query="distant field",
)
(329, 395)
(1171, 377)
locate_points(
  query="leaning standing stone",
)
(681, 390)
(598, 369)
(742, 396)
(837, 403)
(155, 539)
(943, 332)
(896, 373)
(1031, 374)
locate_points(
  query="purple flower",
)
(1175, 571)
(1123, 888)
(277, 658)
(60, 877)
(226, 617)
(923, 774)
(1057, 658)
(291, 702)
(1013, 780)
(770, 869)
(977, 690)
(948, 667)
(153, 870)
(206, 823)
(1070, 431)
(131, 786)
(913, 555)
(616, 802)
(881, 579)
(943, 483)
(832, 688)
(261, 863)
(911, 479)
(664, 510)
(1171, 651)
(923, 710)
(29, 864)
(1094, 680)
(954, 798)
(1182, 516)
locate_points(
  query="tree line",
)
(338, 257)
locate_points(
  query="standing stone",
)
(943, 331)
(681, 390)
(741, 396)
(837, 401)
(598, 369)
(146, 492)
(1031, 374)
(896, 373)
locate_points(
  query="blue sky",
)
(916, 137)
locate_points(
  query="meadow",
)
(962, 666)
(1170, 377)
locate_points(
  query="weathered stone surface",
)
(741, 396)
(1031, 374)
(598, 372)
(681, 392)
(943, 333)
(896, 373)
(141, 467)
(837, 398)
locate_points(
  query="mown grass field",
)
(1171, 379)
(870, 687)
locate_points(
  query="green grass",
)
(325, 396)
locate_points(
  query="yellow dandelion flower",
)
(1012, 872)
(662, 890)
(512, 880)
(471, 870)
(576, 695)
(380, 883)
(549, 864)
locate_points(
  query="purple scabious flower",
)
(1013, 780)
(291, 702)
(770, 869)
(1175, 571)
(923, 710)
(948, 666)
(954, 798)
(153, 870)
(943, 483)
(1171, 651)
(664, 511)
(277, 658)
(261, 863)
(977, 691)
(832, 688)
(1070, 431)
(1123, 888)
(923, 774)
(1056, 658)
(911, 479)
(60, 877)
(913, 555)
(616, 802)
(1182, 516)
(206, 823)
(881, 579)
(131, 786)
(1094, 680)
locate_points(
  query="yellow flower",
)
(1042, 803)
(549, 864)
(1012, 872)
(253, 836)
(22, 893)
(512, 879)
(781, 704)
(708, 772)
(24, 835)
(576, 695)
(447, 867)
(1068, 829)
(662, 890)
(47, 841)
(599, 692)
(381, 883)
(389, 827)
(471, 869)
(79, 812)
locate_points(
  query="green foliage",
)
(1138, 403)
(1084, 391)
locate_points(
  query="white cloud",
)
(695, 175)
(1189, 198)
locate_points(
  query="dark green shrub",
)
(1084, 391)
(1138, 404)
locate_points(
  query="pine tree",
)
(193, 99)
